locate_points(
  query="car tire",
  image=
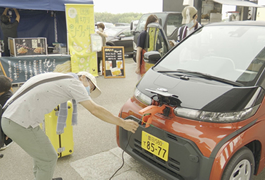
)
(134, 56)
(242, 165)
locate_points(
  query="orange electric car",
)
(201, 107)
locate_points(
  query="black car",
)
(120, 36)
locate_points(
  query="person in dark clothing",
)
(140, 46)
(9, 29)
(5, 94)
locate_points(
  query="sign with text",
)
(80, 25)
(113, 61)
(20, 69)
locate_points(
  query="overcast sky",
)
(126, 6)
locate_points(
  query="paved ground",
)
(96, 155)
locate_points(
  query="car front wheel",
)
(241, 166)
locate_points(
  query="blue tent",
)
(41, 18)
(51, 5)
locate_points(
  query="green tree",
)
(116, 18)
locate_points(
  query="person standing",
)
(22, 116)
(5, 94)
(141, 45)
(101, 32)
(9, 29)
(190, 16)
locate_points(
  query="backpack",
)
(180, 33)
(183, 29)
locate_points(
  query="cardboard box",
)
(27, 46)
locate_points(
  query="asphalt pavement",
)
(96, 155)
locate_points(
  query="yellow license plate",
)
(155, 145)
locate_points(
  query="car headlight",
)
(142, 97)
(222, 117)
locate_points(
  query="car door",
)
(156, 39)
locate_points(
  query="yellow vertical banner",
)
(80, 25)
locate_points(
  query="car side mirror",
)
(152, 57)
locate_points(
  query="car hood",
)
(203, 94)
(109, 38)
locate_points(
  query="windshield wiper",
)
(180, 73)
(210, 77)
(203, 75)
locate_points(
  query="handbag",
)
(142, 63)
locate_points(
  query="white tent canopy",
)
(238, 3)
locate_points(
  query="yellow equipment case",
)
(62, 143)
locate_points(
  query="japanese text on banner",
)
(80, 25)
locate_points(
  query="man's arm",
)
(107, 116)
(17, 14)
(102, 34)
(5, 11)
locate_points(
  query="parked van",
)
(201, 107)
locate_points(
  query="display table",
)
(20, 69)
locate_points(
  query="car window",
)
(173, 22)
(127, 33)
(141, 23)
(235, 53)
(112, 31)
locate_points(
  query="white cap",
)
(187, 13)
(97, 91)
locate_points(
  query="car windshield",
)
(230, 52)
(112, 31)
(142, 21)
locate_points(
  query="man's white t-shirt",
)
(30, 108)
(191, 30)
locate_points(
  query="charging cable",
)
(122, 155)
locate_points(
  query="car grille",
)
(185, 161)
(173, 164)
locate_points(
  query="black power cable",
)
(122, 155)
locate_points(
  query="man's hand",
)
(130, 125)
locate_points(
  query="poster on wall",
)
(113, 62)
(20, 69)
(80, 25)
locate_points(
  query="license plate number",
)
(155, 145)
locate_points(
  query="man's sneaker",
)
(57, 178)
(5, 146)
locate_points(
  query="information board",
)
(20, 69)
(28, 46)
(113, 62)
